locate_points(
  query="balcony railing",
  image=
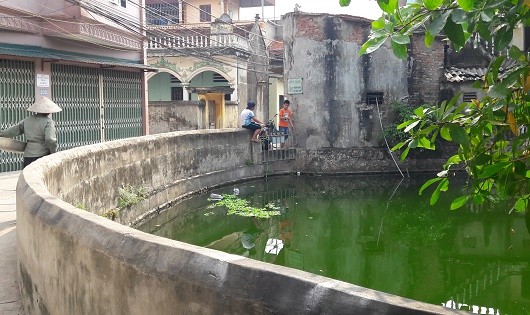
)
(198, 41)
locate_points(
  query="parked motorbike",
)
(269, 134)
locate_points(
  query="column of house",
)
(185, 92)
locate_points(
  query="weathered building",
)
(338, 96)
(86, 56)
(204, 54)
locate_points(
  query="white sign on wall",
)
(294, 86)
(43, 80)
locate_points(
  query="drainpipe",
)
(144, 86)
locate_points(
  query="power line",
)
(209, 37)
(200, 10)
(62, 30)
(132, 26)
(195, 54)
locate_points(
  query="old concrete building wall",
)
(231, 115)
(322, 50)
(174, 116)
(73, 261)
(257, 74)
(426, 67)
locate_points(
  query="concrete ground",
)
(10, 301)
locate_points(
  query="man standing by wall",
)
(286, 121)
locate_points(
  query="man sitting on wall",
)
(249, 121)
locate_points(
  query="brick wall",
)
(426, 68)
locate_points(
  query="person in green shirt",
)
(39, 130)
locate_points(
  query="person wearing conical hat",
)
(39, 130)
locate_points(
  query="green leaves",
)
(344, 3)
(372, 45)
(503, 37)
(388, 6)
(459, 202)
(432, 4)
(466, 5)
(438, 23)
(399, 46)
(458, 134)
(455, 33)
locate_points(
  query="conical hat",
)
(44, 105)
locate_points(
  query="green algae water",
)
(372, 231)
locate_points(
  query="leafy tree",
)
(491, 134)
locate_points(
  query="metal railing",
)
(197, 41)
(17, 92)
(276, 145)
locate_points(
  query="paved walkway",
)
(10, 302)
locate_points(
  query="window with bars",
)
(468, 97)
(205, 12)
(162, 14)
(374, 98)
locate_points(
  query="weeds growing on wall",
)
(392, 134)
(241, 207)
(129, 195)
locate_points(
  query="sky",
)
(364, 8)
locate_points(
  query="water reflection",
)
(365, 231)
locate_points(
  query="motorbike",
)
(269, 135)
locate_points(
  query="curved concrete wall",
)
(73, 261)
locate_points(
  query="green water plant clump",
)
(242, 207)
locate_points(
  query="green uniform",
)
(40, 135)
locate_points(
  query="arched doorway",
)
(214, 90)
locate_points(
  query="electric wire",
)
(64, 31)
(384, 137)
(195, 54)
(130, 25)
(200, 10)
(209, 37)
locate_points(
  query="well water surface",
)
(372, 231)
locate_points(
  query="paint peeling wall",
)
(331, 112)
(174, 116)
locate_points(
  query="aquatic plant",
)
(242, 207)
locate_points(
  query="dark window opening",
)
(174, 79)
(177, 93)
(468, 97)
(228, 97)
(374, 99)
(123, 3)
(205, 13)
